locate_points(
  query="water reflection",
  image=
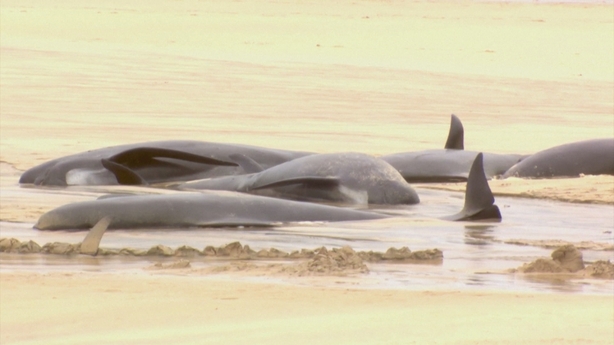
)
(475, 254)
(479, 235)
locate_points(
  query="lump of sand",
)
(565, 259)
(403, 255)
(338, 261)
(568, 257)
(600, 269)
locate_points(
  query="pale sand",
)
(159, 309)
(370, 76)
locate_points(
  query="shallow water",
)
(475, 255)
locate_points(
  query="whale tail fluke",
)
(479, 201)
(456, 135)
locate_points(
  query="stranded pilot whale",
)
(201, 209)
(589, 157)
(350, 177)
(151, 162)
(451, 164)
(221, 208)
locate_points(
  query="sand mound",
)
(568, 260)
(234, 250)
(600, 269)
(320, 261)
(338, 261)
(564, 259)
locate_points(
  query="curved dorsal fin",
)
(479, 201)
(456, 135)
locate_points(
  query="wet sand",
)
(376, 77)
(159, 309)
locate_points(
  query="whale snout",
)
(61, 219)
(48, 221)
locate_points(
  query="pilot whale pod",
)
(350, 177)
(451, 164)
(151, 162)
(589, 157)
(221, 208)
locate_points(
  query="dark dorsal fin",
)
(144, 155)
(308, 181)
(124, 175)
(248, 165)
(479, 201)
(456, 135)
(91, 241)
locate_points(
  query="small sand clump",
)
(568, 260)
(542, 265)
(568, 257)
(402, 255)
(187, 251)
(161, 250)
(338, 261)
(564, 259)
(600, 269)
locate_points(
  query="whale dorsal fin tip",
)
(479, 200)
(456, 135)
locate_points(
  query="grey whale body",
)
(447, 165)
(589, 157)
(221, 208)
(450, 164)
(351, 178)
(186, 210)
(151, 162)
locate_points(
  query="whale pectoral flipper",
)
(248, 165)
(307, 181)
(143, 156)
(91, 241)
(456, 135)
(123, 174)
(479, 201)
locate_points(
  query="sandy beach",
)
(370, 76)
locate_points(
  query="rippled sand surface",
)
(370, 76)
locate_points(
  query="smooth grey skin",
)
(351, 178)
(189, 210)
(589, 157)
(479, 201)
(151, 162)
(217, 209)
(452, 164)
